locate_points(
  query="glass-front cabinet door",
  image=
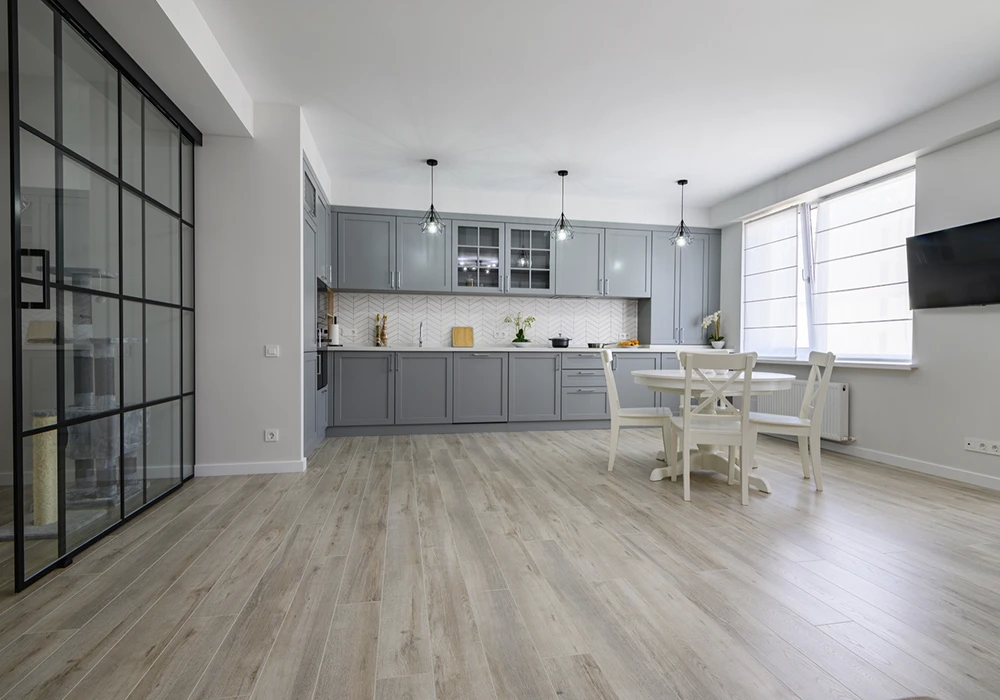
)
(480, 261)
(531, 260)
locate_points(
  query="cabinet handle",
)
(479, 354)
(587, 374)
(586, 391)
(391, 278)
(614, 363)
(506, 281)
(586, 354)
(606, 287)
(682, 336)
(558, 362)
(600, 285)
(399, 280)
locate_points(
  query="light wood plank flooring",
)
(513, 566)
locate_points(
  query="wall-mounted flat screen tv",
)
(955, 267)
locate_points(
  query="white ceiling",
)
(628, 95)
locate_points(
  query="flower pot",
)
(520, 343)
(719, 344)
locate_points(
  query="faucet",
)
(420, 335)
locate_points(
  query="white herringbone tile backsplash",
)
(583, 320)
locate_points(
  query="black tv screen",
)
(955, 267)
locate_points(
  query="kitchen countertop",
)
(510, 348)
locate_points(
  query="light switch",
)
(270, 351)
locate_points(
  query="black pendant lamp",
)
(682, 234)
(432, 222)
(563, 230)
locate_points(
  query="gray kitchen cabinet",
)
(423, 261)
(697, 271)
(585, 403)
(480, 387)
(322, 417)
(630, 394)
(668, 360)
(423, 387)
(309, 308)
(324, 256)
(534, 386)
(580, 264)
(364, 388)
(530, 260)
(656, 314)
(627, 263)
(366, 252)
(310, 193)
(479, 257)
(309, 403)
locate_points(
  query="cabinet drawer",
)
(583, 377)
(581, 360)
(585, 404)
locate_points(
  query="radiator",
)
(787, 403)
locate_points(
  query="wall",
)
(731, 284)
(583, 320)
(248, 251)
(918, 420)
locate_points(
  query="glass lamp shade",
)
(432, 222)
(563, 230)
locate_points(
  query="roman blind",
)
(770, 284)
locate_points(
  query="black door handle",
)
(46, 301)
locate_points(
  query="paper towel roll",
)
(335, 332)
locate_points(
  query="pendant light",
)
(432, 222)
(682, 234)
(563, 230)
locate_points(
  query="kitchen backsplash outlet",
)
(583, 320)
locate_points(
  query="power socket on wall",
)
(986, 447)
(270, 435)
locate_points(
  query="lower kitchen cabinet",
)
(630, 394)
(535, 386)
(423, 388)
(585, 403)
(480, 387)
(364, 388)
(668, 360)
(309, 440)
(322, 412)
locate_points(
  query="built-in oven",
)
(322, 370)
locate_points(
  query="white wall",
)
(248, 248)
(731, 284)
(918, 420)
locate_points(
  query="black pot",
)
(560, 341)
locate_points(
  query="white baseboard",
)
(917, 465)
(240, 468)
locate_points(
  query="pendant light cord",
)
(682, 197)
(562, 179)
(432, 186)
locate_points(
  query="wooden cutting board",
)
(462, 337)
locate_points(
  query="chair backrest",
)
(736, 381)
(608, 360)
(814, 397)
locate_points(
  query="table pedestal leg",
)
(702, 460)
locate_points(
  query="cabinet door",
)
(479, 261)
(322, 400)
(668, 360)
(480, 387)
(534, 386)
(627, 262)
(322, 245)
(530, 260)
(423, 387)
(585, 403)
(693, 296)
(630, 394)
(310, 196)
(423, 261)
(657, 324)
(364, 390)
(331, 233)
(309, 308)
(366, 252)
(580, 264)
(309, 403)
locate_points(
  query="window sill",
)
(846, 364)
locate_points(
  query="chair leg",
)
(747, 450)
(732, 464)
(687, 471)
(613, 447)
(668, 442)
(804, 456)
(817, 460)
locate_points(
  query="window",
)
(831, 275)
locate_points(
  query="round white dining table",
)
(707, 458)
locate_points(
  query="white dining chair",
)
(623, 417)
(710, 417)
(805, 426)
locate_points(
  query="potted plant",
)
(714, 321)
(520, 323)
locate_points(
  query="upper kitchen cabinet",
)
(657, 314)
(697, 273)
(580, 264)
(530, 260)
(423, 261)
(309, 308)
(479, 257)
(316, 213)
(366, 252)
(627, 263)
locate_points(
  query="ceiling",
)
(629, 95)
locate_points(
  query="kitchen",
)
(377, 273)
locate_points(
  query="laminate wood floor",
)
(513, 566)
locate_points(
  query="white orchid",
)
(713, 321)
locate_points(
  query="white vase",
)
(718, 344)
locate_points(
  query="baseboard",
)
(240, 468)
(917, 465)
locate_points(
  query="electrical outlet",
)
(986, 447)
(623, 336)
(271, 435)
(350, 333)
